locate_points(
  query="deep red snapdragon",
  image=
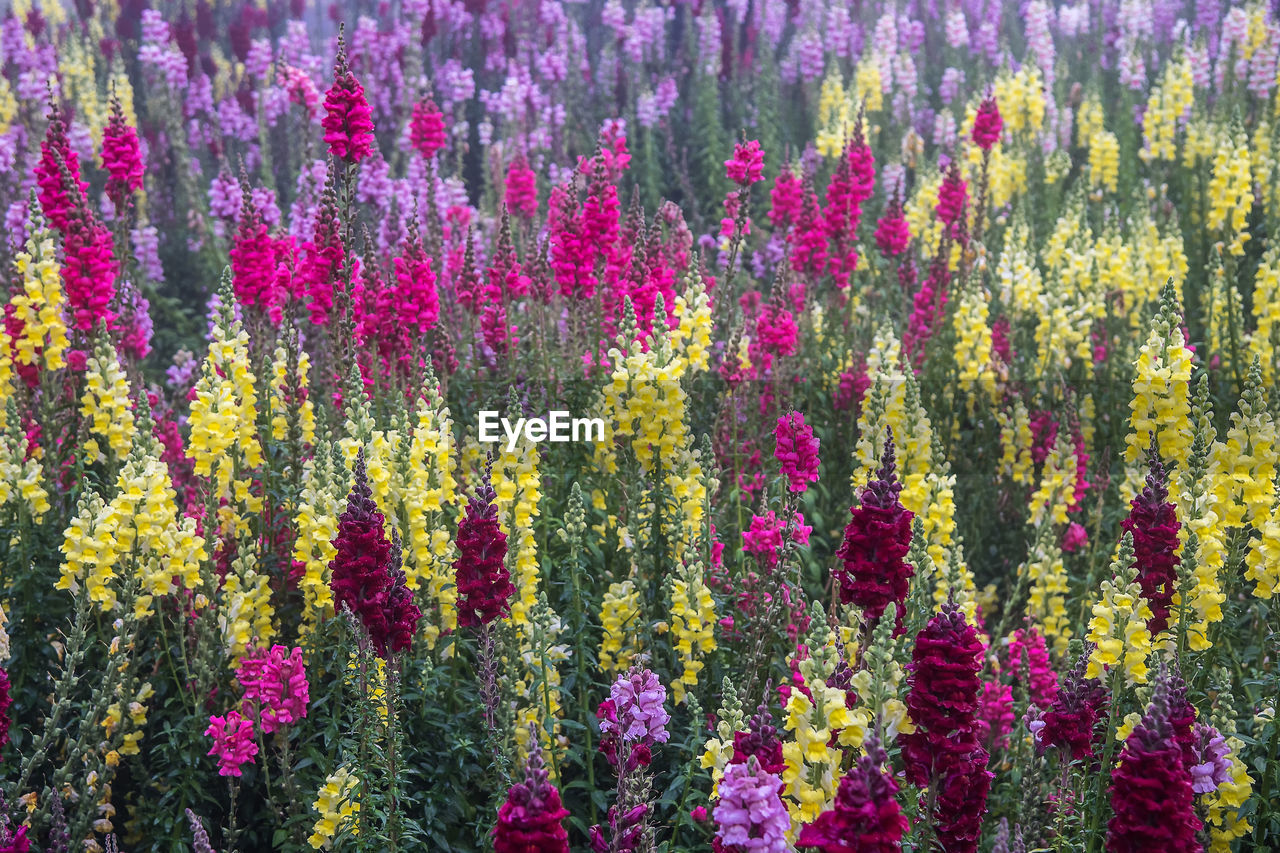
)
(484, 584)
(872, 570)
(1153, 521)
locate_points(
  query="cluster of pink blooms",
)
(89, 264)
(233, 742)
(275, 686)
(746, 167)
(1152, 797)
(987, 124)
(426, 128)
(851, 185)
(121, 157)
(796, 450)
(483, 582)
(765, 536)
(531, 818)
(348, 121)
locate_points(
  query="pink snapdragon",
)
(233, 742)
(276, 692)
(797, 451)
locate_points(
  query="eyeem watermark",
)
(557, 426)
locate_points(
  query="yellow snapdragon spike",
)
(693, 620)
(337, 804)
(619, 612)
(39, 304)
(1231, 193)
(1118, 629)
(105, 403)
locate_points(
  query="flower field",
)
(934, 353)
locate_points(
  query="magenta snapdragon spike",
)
(785, 199)
(1152, 799)
(750, 815)
(945, 750)
(322, 258)
(88, 268)
(987, 124)
(893, 234)
(276, 692)
(953, 203)
(571, 253)
(253, 257)
(796, 449)
(865, 817)
(1040, 677)
(348, 121)
(872, 570)
(531, 819)
(746, 166)
(1154, 524)
(851, 185)
(809, 238)
(521, 188)
(995, 714)
(426, 128)
(59, 190)
(121, 157)
(233, 742)
(484, 584)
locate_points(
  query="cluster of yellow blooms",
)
(1057, 482)
(136, 711)
(431, 488)
(693, 619)
(224, 436)
(1047, 593)
(1231, 192)
(1020, 281)
(283, 388)
(337, 805)
(518, 487)
(973, 354)
(1161, 403)
(838, 105)
(812, 769)
(1265, 340)
(1104, 162)
(619, 612)
(719, 747)
(325, 485)
(139, 526)
(20, 471)
(105, 403)
(246, 617)
(39, 304)
(1118, 629)
(1168, 106)
(1016, 462)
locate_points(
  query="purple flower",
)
(750, 816)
